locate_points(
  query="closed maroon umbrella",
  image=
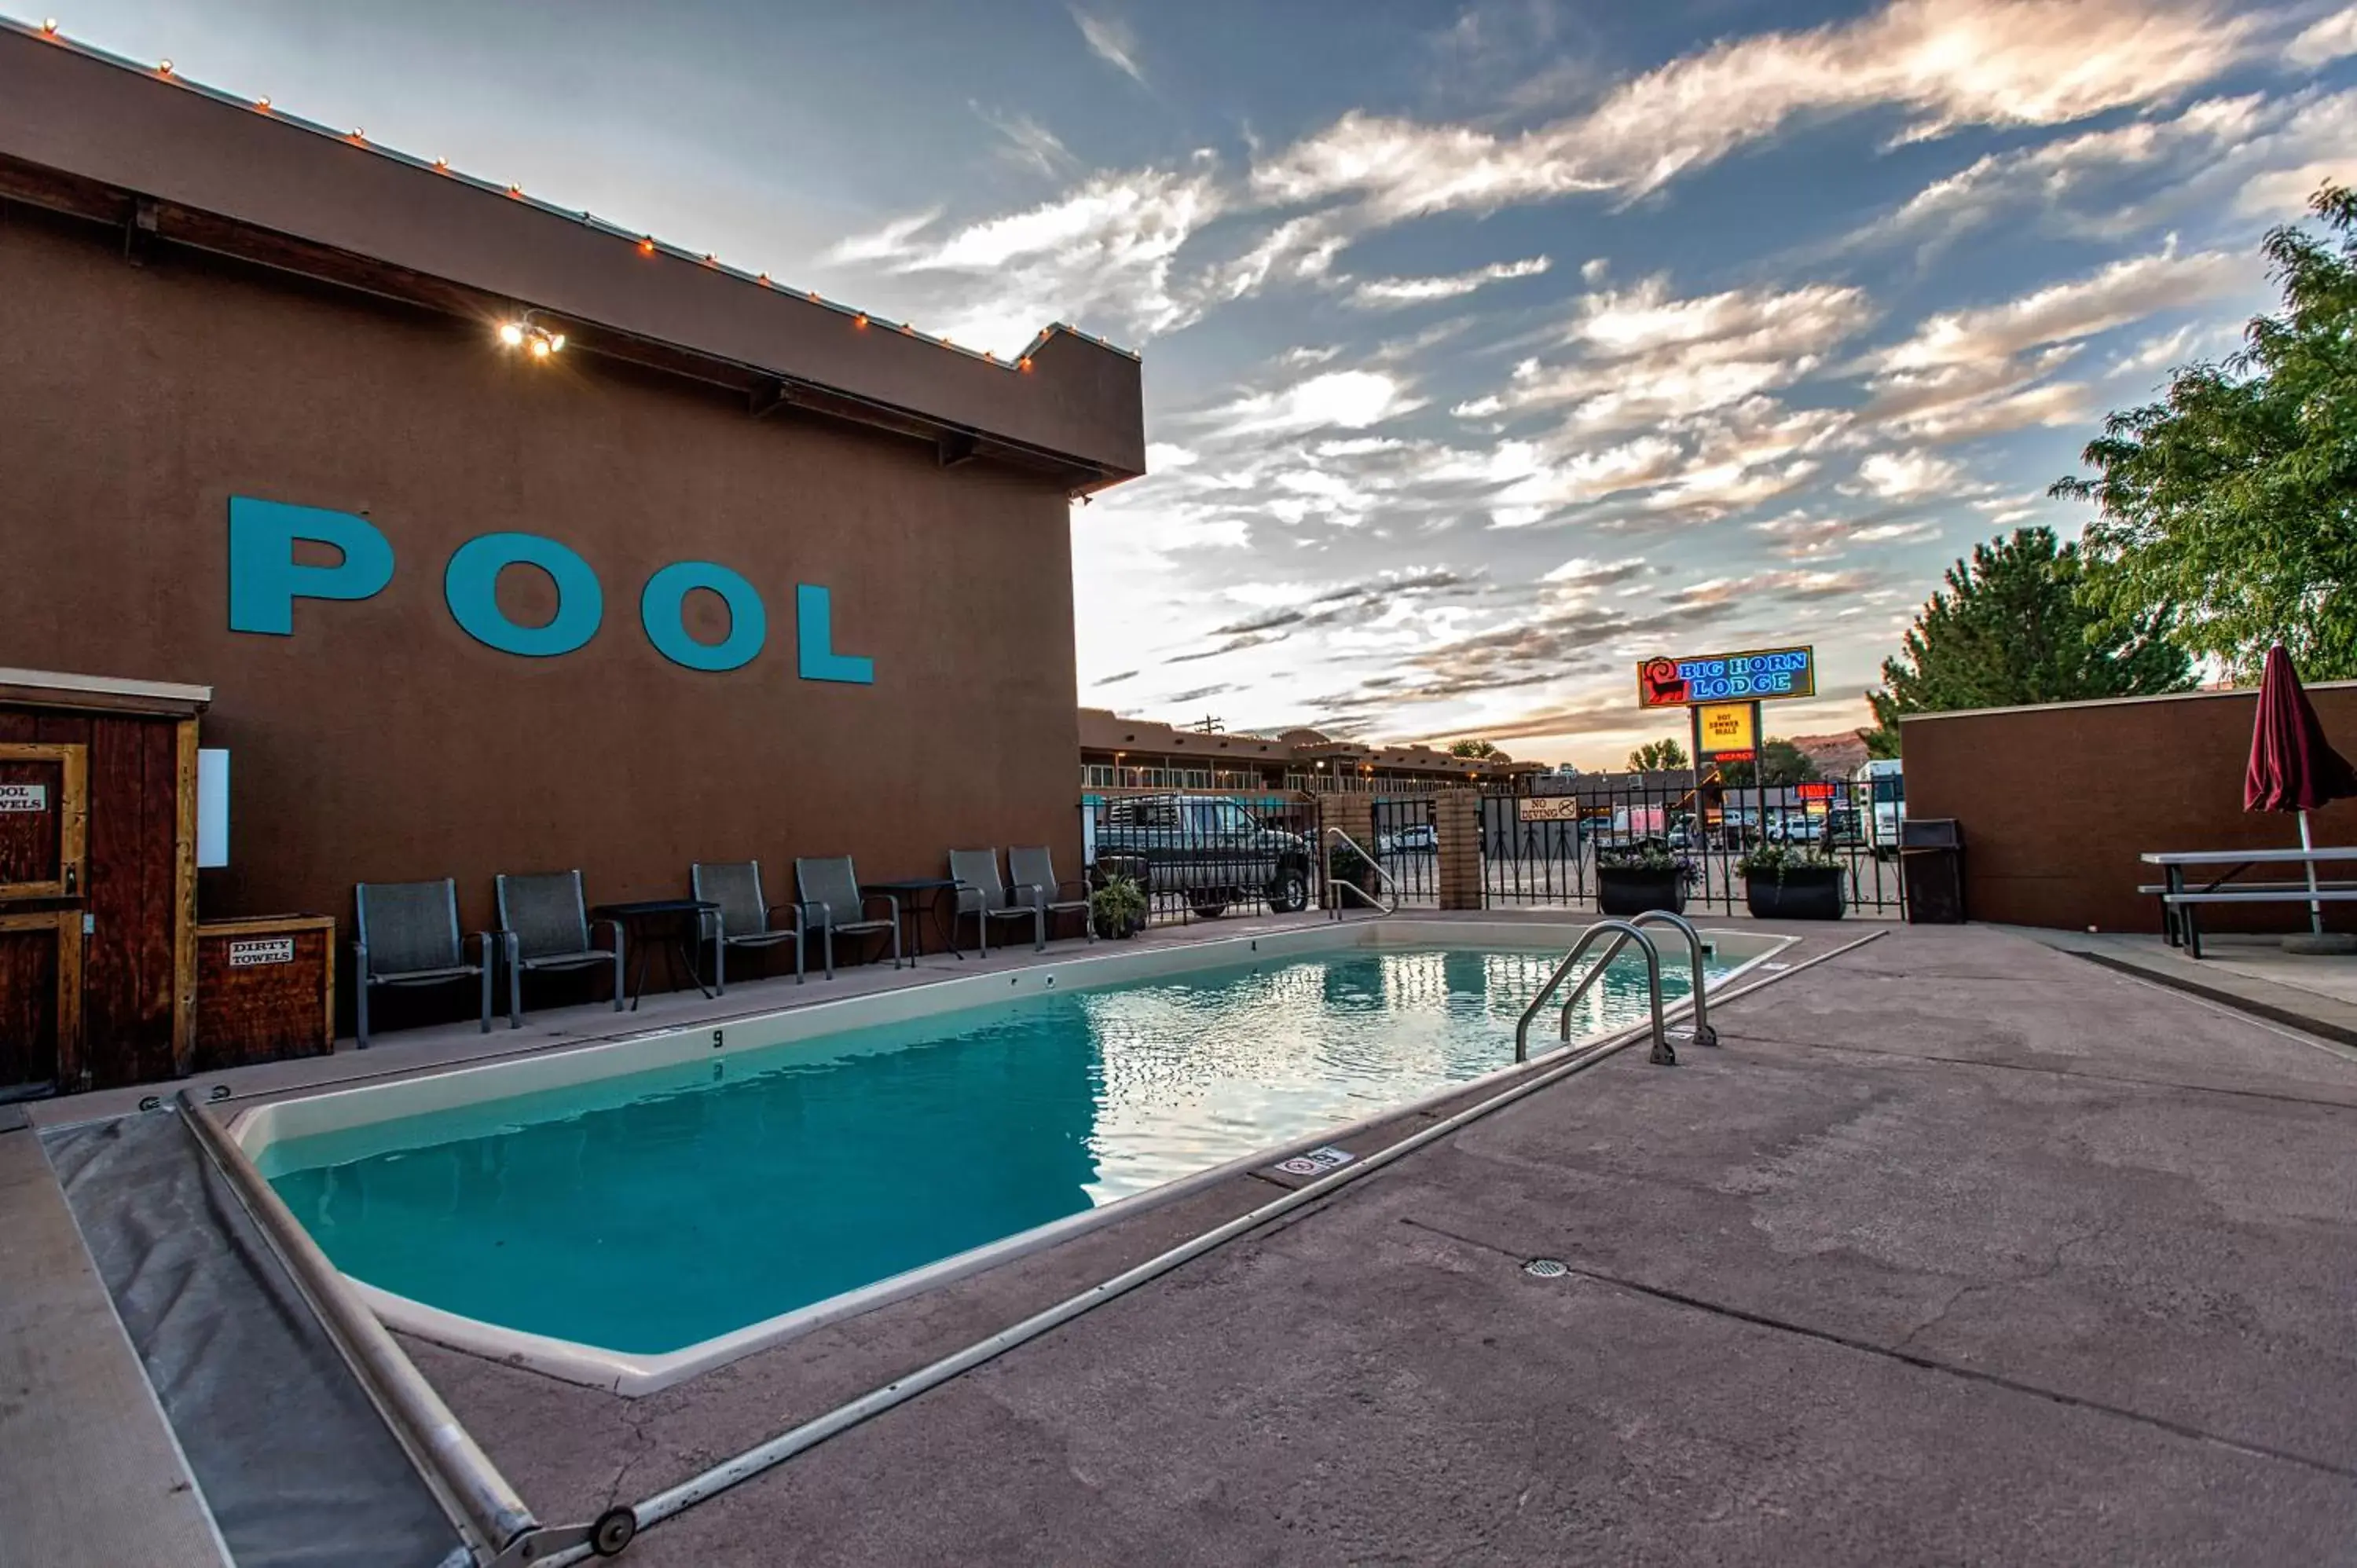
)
(2293, 766)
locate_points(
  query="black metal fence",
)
(1543, 849)
(1197, 856)
(1200, 857)
(1407, 846)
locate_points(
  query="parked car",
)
(1417, 838)
(1205, 849)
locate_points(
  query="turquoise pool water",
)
(648, 1212)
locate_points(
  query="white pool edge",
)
(254, 1128)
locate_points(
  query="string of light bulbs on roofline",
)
(540, 342)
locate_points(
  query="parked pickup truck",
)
(1204, 848)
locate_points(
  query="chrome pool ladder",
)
(1356, 891)
(1702, 1035)
(1623, 933)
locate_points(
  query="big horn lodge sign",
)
(1757, 674)
(1722, 692)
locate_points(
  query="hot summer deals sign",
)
(1755, 675)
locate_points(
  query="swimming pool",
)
(670, 1196)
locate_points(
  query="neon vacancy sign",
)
(265, 581)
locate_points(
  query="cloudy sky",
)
(1488, 348)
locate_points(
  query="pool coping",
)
(252, 1127)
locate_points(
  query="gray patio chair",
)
(744, 918)
(544, 927)
(981, 894)
(1033, 872)
(407, 934)
(830, 901)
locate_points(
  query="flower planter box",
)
(1334, 897)
(1623, 890)
(1805, 893)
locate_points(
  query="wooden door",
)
(43, 821)
(44, 875)
(40, 998)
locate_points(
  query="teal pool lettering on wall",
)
(470, 586)
(266, 579)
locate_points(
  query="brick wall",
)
(1457, 823)
(2057, 802)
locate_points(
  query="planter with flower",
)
(1635, 878)
(1345, 863)
(1790, 882)
(1117, 905)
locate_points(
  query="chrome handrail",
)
(1364, 896)
(1703, 1035)
(1624, 933)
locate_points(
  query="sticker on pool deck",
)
(262, 949)
(24, 797)
(1316, 1162)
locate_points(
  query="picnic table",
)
(2180, 905)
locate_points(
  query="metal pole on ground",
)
(2315, 909)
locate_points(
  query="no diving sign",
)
(1316, 1162)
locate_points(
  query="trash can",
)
(1932, 871)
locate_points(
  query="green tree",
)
(2232, 504)
(1656, 755)
(2013, 627)
(1472, 746)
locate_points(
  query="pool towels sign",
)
(1755, 675)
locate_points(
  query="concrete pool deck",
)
(1958, 1249)
(2315, 994)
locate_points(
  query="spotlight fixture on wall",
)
(524, 333)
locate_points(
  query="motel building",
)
(367, 520)
(1123, 755)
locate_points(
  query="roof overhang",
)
(56, 689)
(172, 163)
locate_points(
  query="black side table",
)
(684, 919)
(932, 888)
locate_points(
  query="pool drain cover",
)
(1546, 1268)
